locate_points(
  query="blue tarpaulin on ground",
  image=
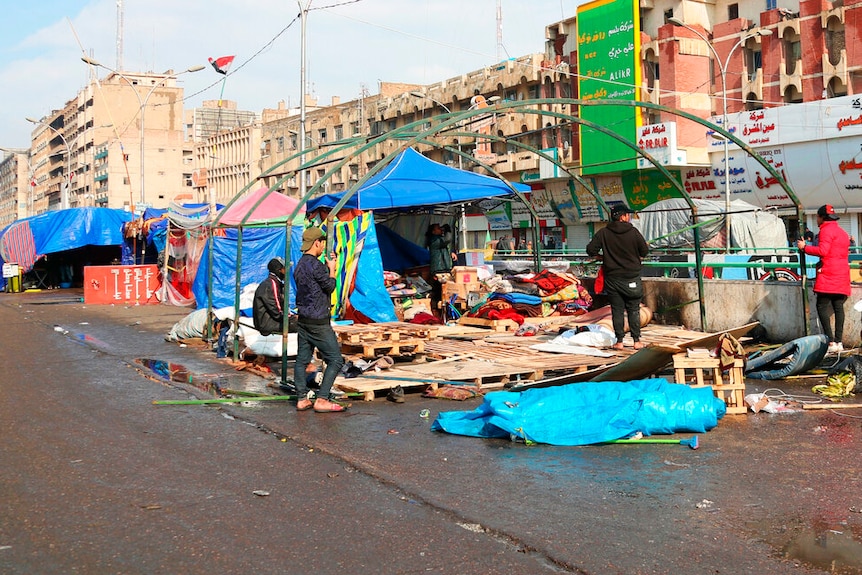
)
(411, 180)
(588, 413)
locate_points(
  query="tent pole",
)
(238, 283)
(165, 262)
(211, 245)
(285, 305)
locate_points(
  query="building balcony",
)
(838, 70)
(753, 84)
(653, 94)
(792, 79)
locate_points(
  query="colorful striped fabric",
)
(347, 241)
(17, 246)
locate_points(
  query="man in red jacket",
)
(832, 285)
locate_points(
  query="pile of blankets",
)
(536, 295)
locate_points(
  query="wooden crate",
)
(705, 372)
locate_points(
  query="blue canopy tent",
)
(411, 181)
(26, 241)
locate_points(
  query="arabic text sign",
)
(609, 69)
(121, 284)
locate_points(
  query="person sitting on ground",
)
(268, 304)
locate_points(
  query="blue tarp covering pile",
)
(588, 413)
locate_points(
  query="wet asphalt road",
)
(96, 479)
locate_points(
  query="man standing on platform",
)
(622, 249)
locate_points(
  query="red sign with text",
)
(121, 284)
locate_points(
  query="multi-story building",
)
(782, 80)
(225, 150)
(119, 143)
(16, 193)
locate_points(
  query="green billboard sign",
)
(608, 69)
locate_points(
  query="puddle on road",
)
(175, 372)
(835, 551)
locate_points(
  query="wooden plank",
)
(484, 374)
(645, 362)
(493, 324)
(711, 340)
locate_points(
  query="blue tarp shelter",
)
(411, 181)
(260, 244)
(25, 241)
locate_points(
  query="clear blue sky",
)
(357, 43)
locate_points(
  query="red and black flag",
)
(222, 64)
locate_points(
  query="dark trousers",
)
(827, 304)
(320, 336)
(625, 295)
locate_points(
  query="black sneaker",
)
(396, 394)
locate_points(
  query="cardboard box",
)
(465, 274)
(459, 289)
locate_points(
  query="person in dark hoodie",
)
(622, 248)
(267, 307)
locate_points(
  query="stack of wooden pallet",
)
(391, 338)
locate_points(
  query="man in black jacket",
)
(622, 249)
(315, 282)
(267, 308)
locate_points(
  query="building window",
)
(321, 137)
(732, 11)
(771, 4)
(339, 133)
(279, 143)
(668, 14)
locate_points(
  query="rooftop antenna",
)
(499, 30)
(119, 34)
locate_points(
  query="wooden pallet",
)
(518, 355)
(388, 331)
(482, 374)
(368, 384)
(396, 347)
(705, 372)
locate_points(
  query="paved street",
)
(96, 479)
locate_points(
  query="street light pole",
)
(64, 188)
(722, 67)
(303, 21)
(418, 94)
(448, 111)
(142, 104)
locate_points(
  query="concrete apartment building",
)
(226, 147)
(16, 195)
(119, 142)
